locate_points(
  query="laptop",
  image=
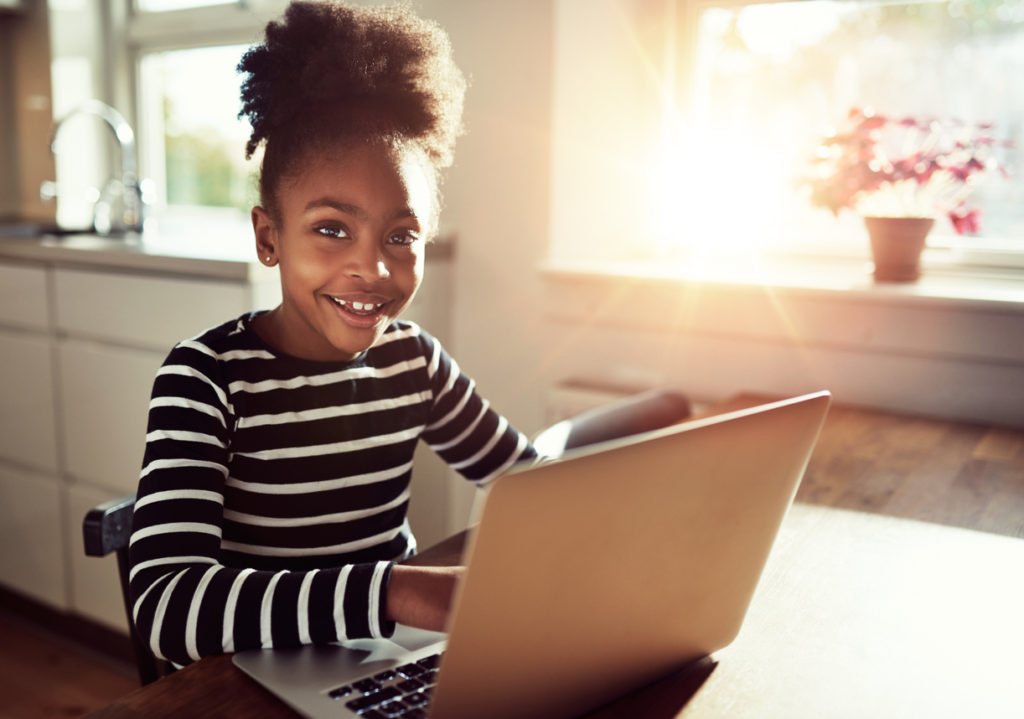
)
(586, 578)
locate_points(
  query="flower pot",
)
(896, 246)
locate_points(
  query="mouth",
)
(361, 309)
(360, 313)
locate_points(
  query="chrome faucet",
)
(121, 203)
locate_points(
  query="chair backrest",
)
(641, 412)
(105, 529)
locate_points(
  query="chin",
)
(353, 347)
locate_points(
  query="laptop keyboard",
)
(400, 693)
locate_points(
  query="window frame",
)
(136, 34)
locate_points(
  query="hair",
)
(327, 72)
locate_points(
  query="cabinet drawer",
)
(31, 534)
(27, 423)
(106, 402)
(143, 310)
(23, 298)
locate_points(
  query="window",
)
(193, 142)
(183, 56)
(742, 94)
(769, 77)
(169, 5)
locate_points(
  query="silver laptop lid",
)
(594, 575)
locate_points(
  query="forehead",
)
(374, 176)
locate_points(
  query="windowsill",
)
(985, 289)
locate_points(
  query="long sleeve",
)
(462, 427)
(186, 601)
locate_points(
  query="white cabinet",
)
(27, 425)
(32, 560)
(80, 347)
(23, 300)
(144, 310)
(105, 395)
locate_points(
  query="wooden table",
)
(858, 613)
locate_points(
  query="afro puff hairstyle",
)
(328, 72)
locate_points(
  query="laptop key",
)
(410, 671)
(409, 685)
(371, 700)
(361, 703)
(414, 714)
(385, 676)
(392, 709)
(367, 686)
(430, 662)
(340, 692)
(416, 699)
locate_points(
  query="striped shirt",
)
(273, 494)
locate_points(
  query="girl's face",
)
(349, 238)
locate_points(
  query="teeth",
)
(359, 306)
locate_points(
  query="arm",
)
(187, 602)
(462, 428)
(421, 596)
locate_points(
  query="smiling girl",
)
(272, 499)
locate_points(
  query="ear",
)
(265, 230)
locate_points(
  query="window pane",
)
(771, 77)
(194, 140)
(166, 5)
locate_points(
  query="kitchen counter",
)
(197, 255)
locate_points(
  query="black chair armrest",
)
(107, 527)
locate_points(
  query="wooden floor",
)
(951, 473)
(45, 675)
(935, 471)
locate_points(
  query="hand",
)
(421, 596)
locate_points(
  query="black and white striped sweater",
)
(273, 493)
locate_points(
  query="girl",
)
(272, 499)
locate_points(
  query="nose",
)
(367, 262)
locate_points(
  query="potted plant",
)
(900, 173)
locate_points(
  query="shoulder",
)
(231, 340)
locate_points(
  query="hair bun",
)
(372, 71)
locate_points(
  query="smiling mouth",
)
(360, 309)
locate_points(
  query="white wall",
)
(497, 200)
(497, 194)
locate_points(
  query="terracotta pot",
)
(896, 246)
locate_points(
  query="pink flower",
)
(856, 170)
(966, 221)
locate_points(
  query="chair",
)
(630, 415)
(107, 527)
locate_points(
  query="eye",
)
(403, 237)
(331, 229)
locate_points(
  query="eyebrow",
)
(355, 210)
